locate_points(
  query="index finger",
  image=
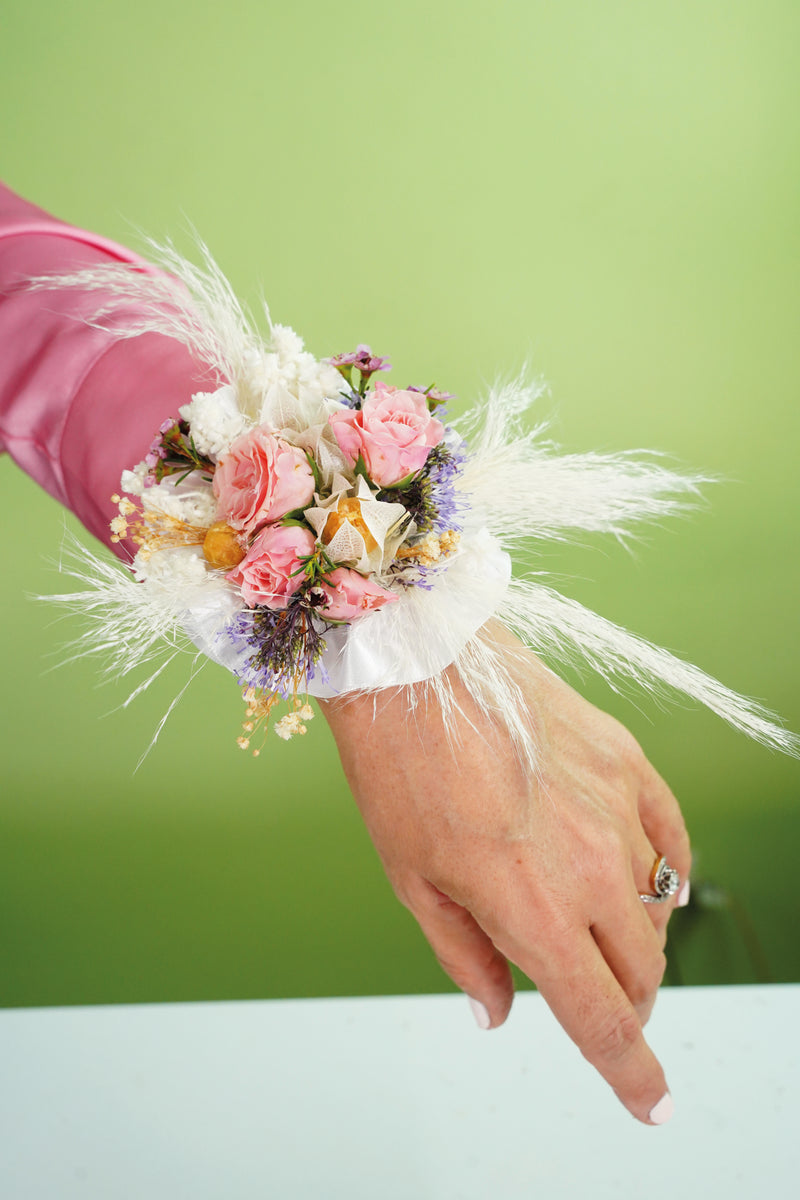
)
(589, 1003)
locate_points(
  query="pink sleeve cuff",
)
(77, 406)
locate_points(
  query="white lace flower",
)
(359, 530)
(215, 420)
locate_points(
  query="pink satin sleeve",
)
(77, 406)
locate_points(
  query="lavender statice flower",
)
(285, 646)
(350, 398)
(431, 499)
(443, 469)
(407, 575)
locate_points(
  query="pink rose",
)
(266, 575)
(351, 595)
(260, 479)
(393, 432)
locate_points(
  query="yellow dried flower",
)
(221, 546)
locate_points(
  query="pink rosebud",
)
(351, 595)
(260, 479)
(393, 432)
(266, 575)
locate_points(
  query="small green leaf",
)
(361, 469)
(401, 483)
(315, 471)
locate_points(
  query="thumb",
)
(464, 951)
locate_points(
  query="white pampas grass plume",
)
(515, 486)
(525, 488)
(126, 624)
(194, 304)
(565, 632)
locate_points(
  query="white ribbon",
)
(408, 641)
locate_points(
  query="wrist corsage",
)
(320, 531)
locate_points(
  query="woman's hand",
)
(545, 872)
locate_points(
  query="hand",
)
(544, 872)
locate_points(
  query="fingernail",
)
(683, 894)
(481, 1013)
(660, 1113)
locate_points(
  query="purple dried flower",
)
(443, 473)
(364, 361)
(368, 363)
(285, 646)
(434, 395)
(437, 401)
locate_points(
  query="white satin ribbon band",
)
(402, 643)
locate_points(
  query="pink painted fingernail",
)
(481, 1013)
(660, 1113)
(683, 895)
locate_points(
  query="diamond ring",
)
(664, 880)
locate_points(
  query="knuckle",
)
(407, 893)
(495, 969)
(658, 969)
(616, 1037)
(622, 755)
(421, 897)
(440, 902)
(471, 972)
(454, 968)
(613, 853)
(648, 982)
(629, 751)
(405, 900)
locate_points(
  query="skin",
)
(545, 872)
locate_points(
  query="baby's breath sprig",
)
(151, 529)
(260, 705)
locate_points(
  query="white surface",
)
(390, 1098)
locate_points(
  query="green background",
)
(608, 191)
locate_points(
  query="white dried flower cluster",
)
(300, 371)
(292, 383)
(176, 571)
(132, 482)
(216, 420)
(186, 502)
